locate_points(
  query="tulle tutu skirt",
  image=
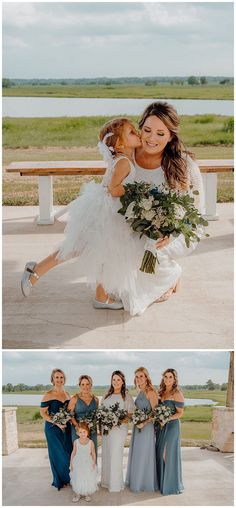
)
(110, 253)
(84, 480)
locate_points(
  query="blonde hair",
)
(150, 386)
(114, 127)
(175, 388)
(54, 372)
(85, 376)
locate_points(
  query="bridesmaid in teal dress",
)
(168, 452)
(58, 436)
(83, 404)
(141, 472)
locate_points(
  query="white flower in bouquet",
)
(179, 211)
(146, 204)
(148, 214)
(62, 417)
(140, 416)
(161, 414)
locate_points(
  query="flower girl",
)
(83, 471)
(95, 232)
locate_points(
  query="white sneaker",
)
(75, 499)
(88, 498)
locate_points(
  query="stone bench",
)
(46, 170)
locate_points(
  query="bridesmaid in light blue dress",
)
(168, 451)
(141, 473)
(83, 404)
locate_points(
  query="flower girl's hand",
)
(162, 243)
(94, 465)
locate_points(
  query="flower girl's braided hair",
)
(175, 387)
(123, 388)
(174, 162)
(150, 386)
(111, 132)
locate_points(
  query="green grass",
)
(83, 131)
(195, 425)
(124, 91)
(76, 139)
(218, 396)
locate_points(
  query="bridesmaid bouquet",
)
(161, 414)
(109, 417)
(140, 416)
(158, 213)
(90, 419)
(62, 417)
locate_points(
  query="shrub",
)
(229, 125)
(36, 416)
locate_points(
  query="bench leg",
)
(46, 212)
(210, 190)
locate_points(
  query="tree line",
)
(21, 387)
(106, 81)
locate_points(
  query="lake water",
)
(34, 400)
(30, 107)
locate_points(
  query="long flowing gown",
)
(141, 472)
(169, 471)
(113, 447)
(149, 288)
(82, 410)
(59, 445)
(110, 253)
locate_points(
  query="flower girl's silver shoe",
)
(26, 285)
(116, 305)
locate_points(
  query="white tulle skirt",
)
(110, 253)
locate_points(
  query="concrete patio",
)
(208, 481)
(59, 313)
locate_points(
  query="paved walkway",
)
(208, 481)
(59, 313)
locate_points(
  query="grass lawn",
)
(76, 138)
(162, 91)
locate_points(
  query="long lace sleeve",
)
(177, 248)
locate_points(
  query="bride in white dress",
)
(109, 252)
(113, 443)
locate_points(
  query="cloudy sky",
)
(32, 367)
(73, 40)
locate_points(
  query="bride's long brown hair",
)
(174, 163)
(123, 388)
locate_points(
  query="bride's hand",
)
(162, 243)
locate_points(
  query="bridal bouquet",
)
(161, 414)
(110, 417)
(140, 416)
(62, 416)
(158, 213)
(90, 419)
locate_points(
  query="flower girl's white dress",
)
(84, 475)
(109, 252)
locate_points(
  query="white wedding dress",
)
(110, 253)
(113, 447)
